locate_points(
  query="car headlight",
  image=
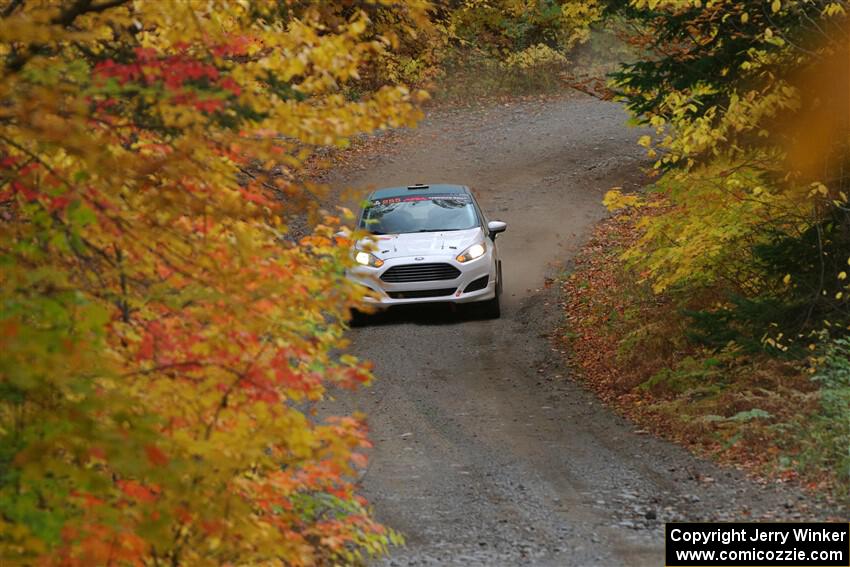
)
(367, 259)
(471, 253)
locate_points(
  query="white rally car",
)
(429, 243)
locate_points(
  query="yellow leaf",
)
(842, 276)
(776, 6)
(787, 279)
(615, 200)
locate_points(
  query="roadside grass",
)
(473, 77)
(755, 411)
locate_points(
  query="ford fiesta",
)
(429, 243)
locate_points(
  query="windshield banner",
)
(460, 197)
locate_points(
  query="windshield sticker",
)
(460, 197)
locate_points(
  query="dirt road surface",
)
(486, 451)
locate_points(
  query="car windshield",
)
(419, 213)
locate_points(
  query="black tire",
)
(491, 309)
(358, 318)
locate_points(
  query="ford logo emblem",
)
(419, 258)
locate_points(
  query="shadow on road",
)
(423, 314)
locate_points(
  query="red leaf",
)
(156, 456)
(137, 491)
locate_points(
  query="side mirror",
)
(495, 227)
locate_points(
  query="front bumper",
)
(387, 294)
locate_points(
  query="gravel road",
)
(486, 451)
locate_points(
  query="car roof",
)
(419, 189)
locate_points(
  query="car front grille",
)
(420, 273)
(419, 293)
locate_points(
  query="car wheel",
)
(491, 309)
(358, 318)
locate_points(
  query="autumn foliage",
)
(163, 338)
(723, 287)
(747, 106)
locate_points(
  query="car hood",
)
(451, 243)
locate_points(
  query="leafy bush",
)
(688, 375)
(535, 56)
(826, 434)
(501, 27)
(163, 338)
(800, 292)
(754, 222)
